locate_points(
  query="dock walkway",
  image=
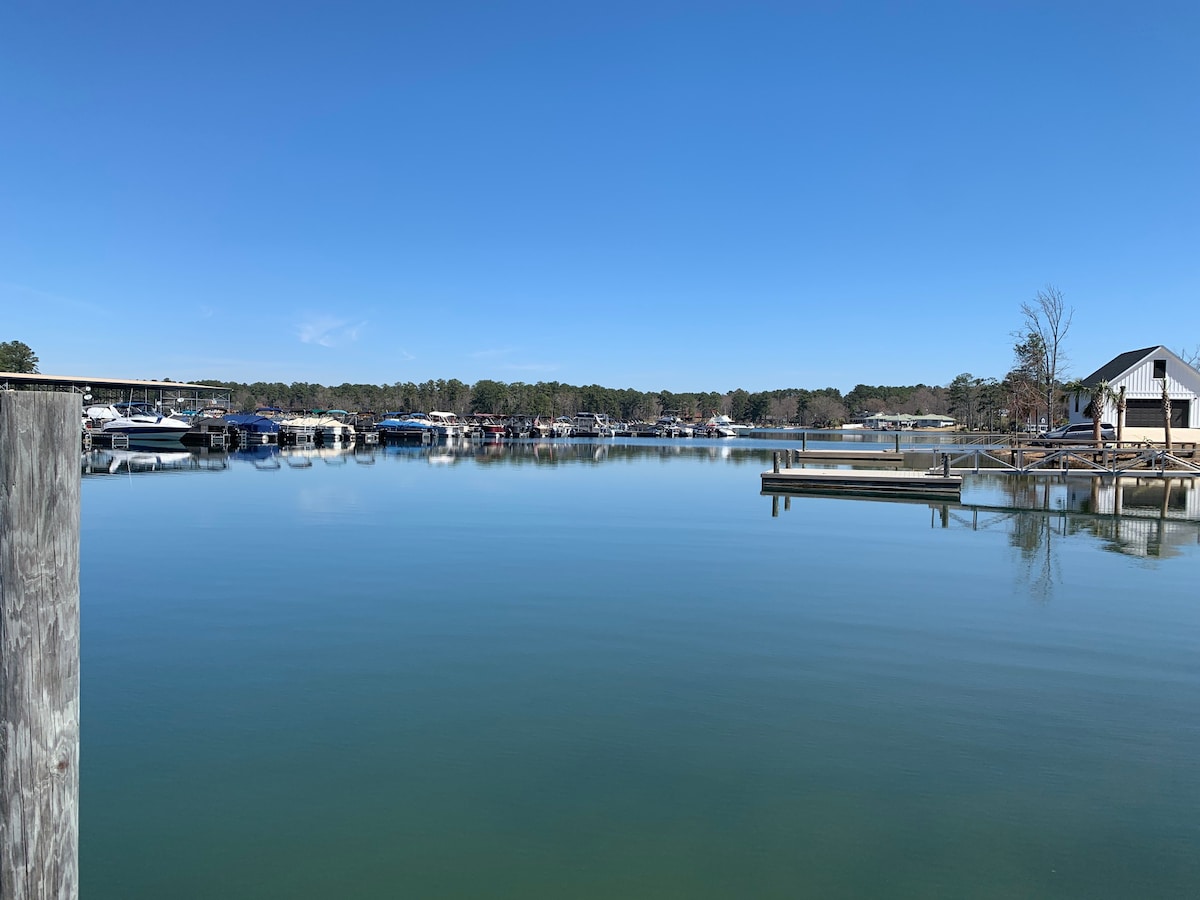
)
(863, 483)
(879, 457)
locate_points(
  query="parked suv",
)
(1079, 433)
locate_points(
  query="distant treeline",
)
(824, 406)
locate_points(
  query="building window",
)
(1160, 368)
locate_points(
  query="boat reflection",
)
(137, 462)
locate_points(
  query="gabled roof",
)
(1119, 365)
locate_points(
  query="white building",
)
(1141, 373)
(889, 421)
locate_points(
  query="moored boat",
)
(487, 426)
(719, 427)
(141, 423)
(252, 428)
(406, 427)
(593, 425)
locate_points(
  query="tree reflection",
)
(1146, 518)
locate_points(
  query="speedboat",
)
(140, 422)
(720, 426)
(447, 424)
(486, 426)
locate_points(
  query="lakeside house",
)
(1142, 373)
(905, 421)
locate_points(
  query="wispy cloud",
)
(27, 294)
(494, 352)
(532, 367)
(326, 331)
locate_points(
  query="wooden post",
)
(39, 645)
(775, 457)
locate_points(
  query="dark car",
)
(1079, 433)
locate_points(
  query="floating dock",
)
(879, 457)
(863, 483)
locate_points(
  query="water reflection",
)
(136, 462)
(559, 452)
(1149, 518)
(888, 439)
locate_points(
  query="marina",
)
(849, 659)
(722, 682)
(472, 539)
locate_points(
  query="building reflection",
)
(1151, 518)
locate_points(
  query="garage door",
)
(1148, 413)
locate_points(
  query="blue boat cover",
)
(253, 423)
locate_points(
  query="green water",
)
(608, 671)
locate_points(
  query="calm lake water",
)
(598, 670)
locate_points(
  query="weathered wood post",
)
(775, 462)
(39, 645)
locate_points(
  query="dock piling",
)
(39, 645)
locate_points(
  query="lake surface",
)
(597, 670)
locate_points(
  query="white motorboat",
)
(721, 427)
(593, 425)
(323, 425)
(447, 425)
(336, 428)
(140, 422)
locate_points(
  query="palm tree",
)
(1100, 394)
(1121, 404)
(1166, 411)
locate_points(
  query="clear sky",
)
(657, 195)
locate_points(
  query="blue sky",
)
(657, 195)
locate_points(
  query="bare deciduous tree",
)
(825, 410)
(1047, 321)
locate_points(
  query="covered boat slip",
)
(165, 395)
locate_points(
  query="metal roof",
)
(1119, 365)
(36, 378)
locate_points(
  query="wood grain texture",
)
(39, 645)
